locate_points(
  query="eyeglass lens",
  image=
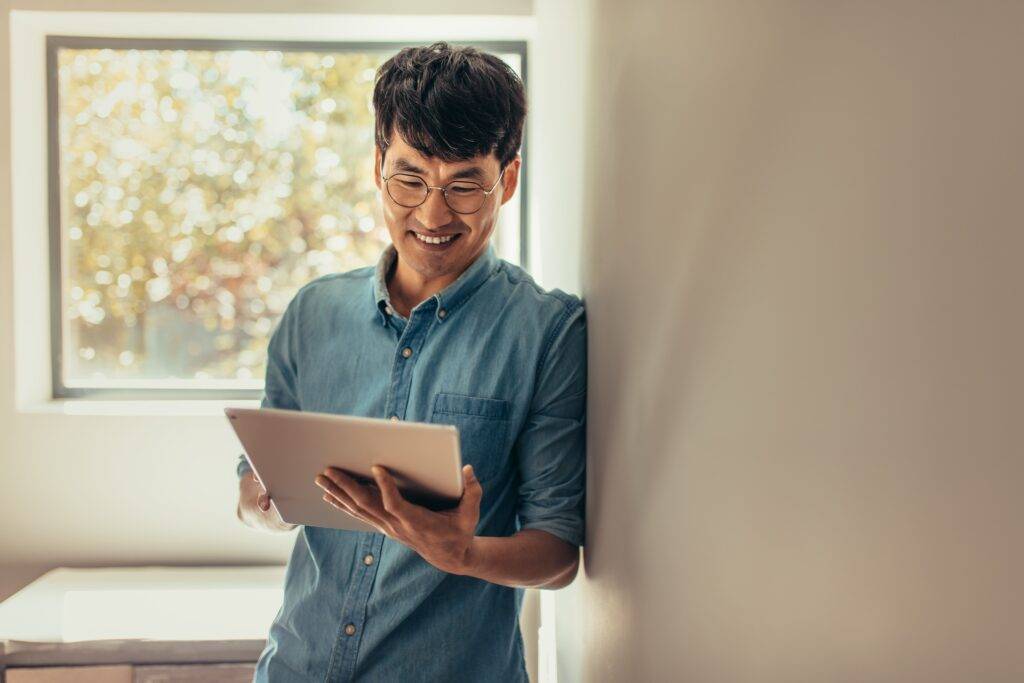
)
(410, 191)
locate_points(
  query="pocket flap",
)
(457, 404)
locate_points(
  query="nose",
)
(434, 213)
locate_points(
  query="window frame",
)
(54, 43)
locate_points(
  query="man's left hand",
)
(443, 538)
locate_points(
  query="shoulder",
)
(520, 288)
(558, 316)
(333, 289)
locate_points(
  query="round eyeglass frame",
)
(444, 190)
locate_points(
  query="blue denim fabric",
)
(503, 360)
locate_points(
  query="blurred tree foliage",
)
(199, 190)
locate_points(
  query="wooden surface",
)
(20, 653)
(215, 673)
(71, 674)
(199, 673)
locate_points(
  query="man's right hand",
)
(254, 508)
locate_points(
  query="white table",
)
(139, 624)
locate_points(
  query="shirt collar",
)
(449, 298)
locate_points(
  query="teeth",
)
(433, 240)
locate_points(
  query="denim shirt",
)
(496, 356)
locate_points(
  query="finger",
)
(333, 489)
(391, 497)
(353, 512)
(347, 484)
(364, 497)
(341, 505)
(338, 499)
(356, 509)
(384, 526)
(350, 506)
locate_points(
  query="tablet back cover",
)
(288, 449)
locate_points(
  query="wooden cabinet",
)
(71, 674)
(164, 673)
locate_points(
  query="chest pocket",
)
(483, 425)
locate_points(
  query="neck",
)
(407, 288)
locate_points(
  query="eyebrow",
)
(471, 172)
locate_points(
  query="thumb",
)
(471, 489)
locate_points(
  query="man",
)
(441, 330)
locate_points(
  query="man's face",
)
(434, 218)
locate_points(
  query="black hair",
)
(452, 103)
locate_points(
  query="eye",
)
(463, 188)
(408, 182)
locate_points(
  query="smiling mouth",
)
(436, 240)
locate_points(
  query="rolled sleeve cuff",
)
(243, 467)
(567, 530)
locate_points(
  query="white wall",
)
(555, 142)
(129, 487)
(156, 484)
(557, 156)
(803, 278)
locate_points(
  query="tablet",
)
(288, 448)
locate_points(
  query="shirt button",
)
(350, 630)
(406, 352)
(368, 560)
(389, 310)
(441, 313)
(394, 418)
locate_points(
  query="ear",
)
(511, 179)
(377, 159)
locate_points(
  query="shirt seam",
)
(549, 342)
(564, 298)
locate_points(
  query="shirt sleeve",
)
(280, 389)
(551, 448)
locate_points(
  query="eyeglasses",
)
(461, 196)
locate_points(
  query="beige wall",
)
(803, 278)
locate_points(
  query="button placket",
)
(410, 339)
(353, 613)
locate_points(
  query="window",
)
(195, 185)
